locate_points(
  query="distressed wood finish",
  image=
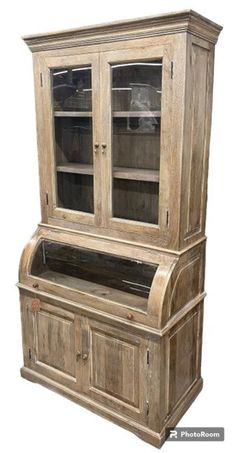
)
(112, 307)
(164, 24)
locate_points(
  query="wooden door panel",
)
(115, 365)
(114, 372)
(55, 342)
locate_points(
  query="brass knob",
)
(104, 147)
(96, 146)
(78, 355)
(130, 316)
(35, 285)
(84, 356)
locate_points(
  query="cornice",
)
(164, 24)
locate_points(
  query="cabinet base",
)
(146, 434)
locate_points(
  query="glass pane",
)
(121, 280)
(136, 111)
(75, 192)
(72, 89)
(135, 200)
(72, 101)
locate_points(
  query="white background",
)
(34, 418)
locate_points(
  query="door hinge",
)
(166, 417)
(46, 196)
(167, 218)
(29, 353)
(147, 407)
(172, 70)
(41, 79)
(148, 356)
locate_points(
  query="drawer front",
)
(114, 368)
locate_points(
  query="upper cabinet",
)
(123, 114)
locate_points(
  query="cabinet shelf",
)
(136, 114)
(130, 300)
(60, 113)
(137, 174)
(83, 169)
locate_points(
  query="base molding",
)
(142, 431)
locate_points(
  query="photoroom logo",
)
(195, 434)
(173, 433)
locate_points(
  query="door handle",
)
(103, 147)
(78, 355)
(85, 340)
(96, 146)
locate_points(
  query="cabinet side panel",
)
(184, 357)
(196, 139)
(198, 100)
(188, 280)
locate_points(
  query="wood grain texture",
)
(127, 195)
(182, 357)
(113, 372)
(184, 21)
(198, 106)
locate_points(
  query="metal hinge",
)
(167, 218)
(46, 196)
(147, 407)
(41, 79)
(148, 356)
(172, 70)
(30, 355)
(166, 418)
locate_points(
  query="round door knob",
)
(78, 355)
(84, 356)
(130, 316)
(96, 146)
(104, 147)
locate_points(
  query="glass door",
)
(136, 123)
(134, 141)
(73, 90)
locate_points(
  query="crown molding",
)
(164, 24)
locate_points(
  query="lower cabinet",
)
(102, 362)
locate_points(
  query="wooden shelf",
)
(96, 289)
(136, 114)
(120, 114)
(72, 114)
(83, 169)
(137, 174)
(130, 132)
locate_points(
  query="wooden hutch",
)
(112, 282)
